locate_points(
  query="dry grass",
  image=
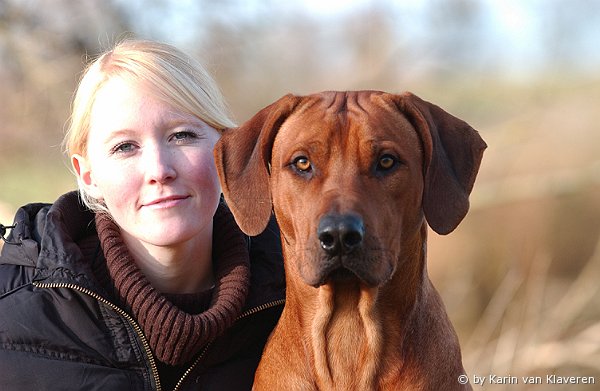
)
(534, 326)
(520, 281)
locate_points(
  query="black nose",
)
(340, 234)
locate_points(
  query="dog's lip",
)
(341, 274)
(337, 274)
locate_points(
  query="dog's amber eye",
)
(386, 162)
(302, 163)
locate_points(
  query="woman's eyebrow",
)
(183, 121)
(126, 132)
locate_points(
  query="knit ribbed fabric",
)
(174, 335)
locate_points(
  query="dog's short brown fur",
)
(353, 179)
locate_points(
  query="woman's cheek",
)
(117, 183)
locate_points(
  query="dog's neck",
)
(348, 328)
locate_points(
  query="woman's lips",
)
(165, 202)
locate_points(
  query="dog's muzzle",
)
(345, 253)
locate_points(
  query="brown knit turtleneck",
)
(175, 336)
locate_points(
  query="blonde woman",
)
(141, 280)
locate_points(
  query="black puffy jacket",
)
(59, 332)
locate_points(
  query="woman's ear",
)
(84, 175)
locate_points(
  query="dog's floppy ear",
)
(453, 152)
(242, 157)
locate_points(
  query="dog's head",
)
(351, 177)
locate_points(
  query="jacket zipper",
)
(249, 312)
(121, 312)
(140, 334)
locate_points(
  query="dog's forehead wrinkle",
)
(312, 132)
(334, 101)
(342, 102)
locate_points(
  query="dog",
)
(354, 178)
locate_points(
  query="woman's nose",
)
(158, 165)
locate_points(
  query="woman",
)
(142, 280)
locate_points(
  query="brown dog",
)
(354, 178)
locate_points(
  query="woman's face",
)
(151, 164)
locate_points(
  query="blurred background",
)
(521, 276)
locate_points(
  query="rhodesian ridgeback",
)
(354, 178)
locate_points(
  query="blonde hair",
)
(173, 77)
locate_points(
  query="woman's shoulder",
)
(23, 238)
(21, 246)
(50, 224)
(20, 252)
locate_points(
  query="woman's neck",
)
(184, 268)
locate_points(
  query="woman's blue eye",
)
(123, 148)
(184, 135)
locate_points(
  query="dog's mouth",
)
(341, 274)
(371, 268)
